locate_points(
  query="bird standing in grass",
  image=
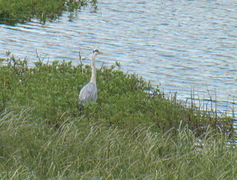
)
(89, 92)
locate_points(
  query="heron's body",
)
(89, 92)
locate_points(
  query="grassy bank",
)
(52, 90)
(85, 150)
(127, 134)
(15, 11)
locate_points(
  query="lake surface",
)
(188, 47)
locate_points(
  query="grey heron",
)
(89, 92)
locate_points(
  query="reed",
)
(86, 150)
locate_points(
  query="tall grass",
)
(127, 134)
(30, 149)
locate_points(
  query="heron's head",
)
(96, 51)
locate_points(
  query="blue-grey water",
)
(183, 46)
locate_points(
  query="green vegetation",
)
(15, 11)
(127, 134)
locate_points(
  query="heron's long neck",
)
(93, 69)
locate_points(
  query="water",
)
(184, 46)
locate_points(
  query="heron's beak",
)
(100, 52)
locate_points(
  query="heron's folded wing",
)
(88, 93)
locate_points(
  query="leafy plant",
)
(52, 89)
(14, 11)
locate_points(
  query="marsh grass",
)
(86, 150)
(52, 90)
(15, 11)
(127, 134)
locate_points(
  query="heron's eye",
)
(95, 50)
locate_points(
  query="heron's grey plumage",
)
(89, 92)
